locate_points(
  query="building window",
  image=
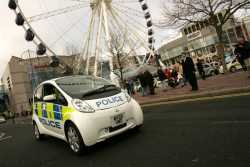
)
(9, 84)
(198, 26)
(206, 23)
(193, 28)
(185, 31)
(189, 30)
(202, 25)
(232, 35)
(239, 32)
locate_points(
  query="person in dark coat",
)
(162, 78)
(161, 74)
(240, 54)
(244, 52)
(143, 83)
(190, 73)
(184, 73)
(201, 69)
(149, 81)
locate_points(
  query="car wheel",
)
(217, 72)
(75, 140)
(232, 69)
(212, 73)
(37, 134)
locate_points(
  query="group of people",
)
(187, 70)
(242, 51)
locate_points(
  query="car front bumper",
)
(98, 126)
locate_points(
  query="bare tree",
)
(71, 50)
(118, 49)
(179, 13)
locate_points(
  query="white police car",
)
(83, 110)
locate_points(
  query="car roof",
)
(65, 77)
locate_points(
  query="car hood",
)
(107, 102)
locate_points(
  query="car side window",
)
(50, 89)
(206, 66)
(38, 94)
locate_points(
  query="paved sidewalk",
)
(213, 86)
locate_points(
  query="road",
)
(203, 134)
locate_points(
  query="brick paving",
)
(214, 83)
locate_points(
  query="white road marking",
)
(4, 137)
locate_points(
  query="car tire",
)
(217, 72)
(232, 69)
(212, 73)
(74, 139)
(37, 135)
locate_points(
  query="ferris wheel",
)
(96, 29)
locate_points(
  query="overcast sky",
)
(12, 40)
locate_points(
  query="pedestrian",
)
(184, 73)
(150, 82)
(190, 73)
(143, 83)
(201, 69)
(245, 53)
(162, 78)
(239, 52)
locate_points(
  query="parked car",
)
(209, 70)
(2, 119)
(234, 65)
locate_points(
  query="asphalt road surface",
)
(213, 133)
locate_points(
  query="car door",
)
(37, 103)
(52, 106)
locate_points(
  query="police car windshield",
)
(80, 86)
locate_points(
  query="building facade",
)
(22, 75)
(201, 40)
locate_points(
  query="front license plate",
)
(117, 120)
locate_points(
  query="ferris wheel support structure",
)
(108, 18)
(107, 33)
(97, 54)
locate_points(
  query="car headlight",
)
(82, 106)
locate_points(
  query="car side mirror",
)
(49, 97)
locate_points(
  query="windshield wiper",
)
(99, 90)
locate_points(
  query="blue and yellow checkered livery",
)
(52, 111)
